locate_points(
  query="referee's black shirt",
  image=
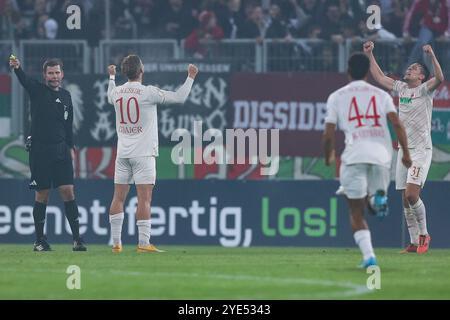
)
(51, 112)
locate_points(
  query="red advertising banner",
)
(293, 103)
(95, 162)
(5, 84)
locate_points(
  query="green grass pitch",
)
(220, 273)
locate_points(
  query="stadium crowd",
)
(200, 21)
(334, 20)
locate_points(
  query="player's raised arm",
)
(111, 83)
(179, 96)
(438, 78)
(375, 70)
(28, 83)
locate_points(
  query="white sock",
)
(413, 227)
(116, 221)
(362, 239)
(144, 227)
(419, 211)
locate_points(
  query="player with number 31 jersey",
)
(416, 93)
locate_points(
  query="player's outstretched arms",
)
(438, 78)
(375, 70)
(328, 143)
(111, 83)
(180, 96)
(402, 139)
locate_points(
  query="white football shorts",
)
(417, 173)
(362, 179)
(140, 170)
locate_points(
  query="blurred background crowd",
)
(195, 20)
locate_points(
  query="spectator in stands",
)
(145, 14)
(196, 42)
(123, 21)
(350, 30)
(352, 9)
(331, 23)
(277, 26)
(27, 18)
(434, 23)
(300, 14)
(231, 18)
(40, 7)
(95, 24)
(256, 26)
(47, 28)
(11, 24)
(177, 20)
(393, 14)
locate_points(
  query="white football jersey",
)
(415, 107)
(136, 115)
(360, 110)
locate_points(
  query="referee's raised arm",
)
(28, 83)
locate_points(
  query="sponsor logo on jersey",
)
(405, 100)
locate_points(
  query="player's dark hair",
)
(424, 70)
(131, 67)
(53, 62)
(358, 66)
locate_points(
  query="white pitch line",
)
(350, 289)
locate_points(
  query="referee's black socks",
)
(39, 218)
(72, 216)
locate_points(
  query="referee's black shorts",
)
(50, 165)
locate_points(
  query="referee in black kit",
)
(51, 150)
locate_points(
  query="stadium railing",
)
(302, 55)
(155, 50)
(242, 54)
(74, 53)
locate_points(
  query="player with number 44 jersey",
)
(361, 110)
(137, 131)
